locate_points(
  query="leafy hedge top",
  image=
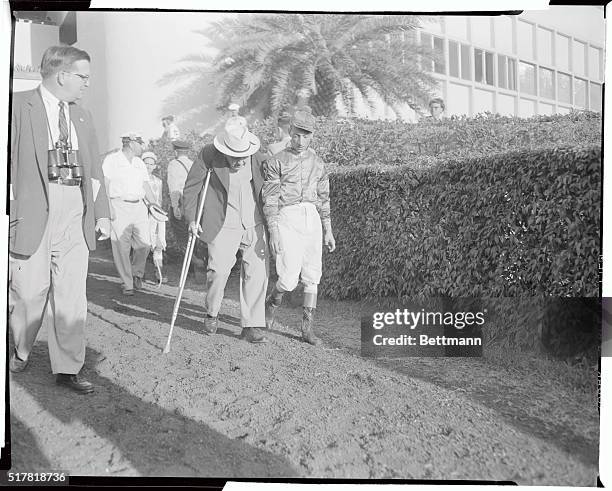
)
(375, 142)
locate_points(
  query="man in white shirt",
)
(127, 183)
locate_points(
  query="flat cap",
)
(181, 144)
(303, 120)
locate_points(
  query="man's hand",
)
(103, 226)
(177, 213)
(276, 246)
(329, 241)
(195, 229)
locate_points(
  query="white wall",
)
(130, 52)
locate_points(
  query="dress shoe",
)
(253, 335)
(75, 383)
(137, 283)
(128, 292)
(16, 364)
(210, 324)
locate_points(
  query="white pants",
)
(130, 230)
(301, 238)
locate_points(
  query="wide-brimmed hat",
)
(236, 141)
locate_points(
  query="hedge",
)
(440, 203)
(514, 224)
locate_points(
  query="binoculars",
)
(64, 163)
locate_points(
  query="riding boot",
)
(308, 334)
(272, 304)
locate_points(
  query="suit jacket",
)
(29, 173)
(215, 205)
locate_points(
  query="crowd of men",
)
(270, 206)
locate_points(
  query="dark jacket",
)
(29, 172)
(215, 205)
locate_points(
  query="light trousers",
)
(253, 273)
(301, 236)
(130, 231)
(53, 278)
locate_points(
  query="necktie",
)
(63, 125)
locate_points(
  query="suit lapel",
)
(78, 121)
(40, 131)
(222, 171)
(256, 164)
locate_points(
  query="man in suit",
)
(58, 202)
(232, 221)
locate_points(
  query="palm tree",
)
(265, 60)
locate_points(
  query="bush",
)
(516, 224)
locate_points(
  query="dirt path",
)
(217, 406)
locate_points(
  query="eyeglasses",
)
(84, 78)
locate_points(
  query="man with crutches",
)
(296, 207)
(232, 220)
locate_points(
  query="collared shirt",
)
(241, 212)
(125, 179)
(291, 177)
(276, 147)
(52, 108)
(177, 175)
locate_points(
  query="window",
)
(453, 59)
(562, 51)
(459, 60)
(579, 58)
(466, 64)
(503, 34)
(547, 85)
(594, 63)
(511, 74)
(481, 30)
(563, 110)
(440, 62)
(525, 39)
(483, 66)
(545, 51)
(437, 43)
(595, 97)
(506, 72)
(564, 88)
(527, 78)
(580, 89)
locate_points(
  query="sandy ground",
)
(216, 406)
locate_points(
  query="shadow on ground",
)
(150, 440)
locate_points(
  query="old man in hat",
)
(296, 207)
(232, 220)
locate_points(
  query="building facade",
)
(519, 65)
